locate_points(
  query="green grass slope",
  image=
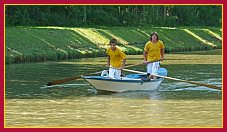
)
(33, 44)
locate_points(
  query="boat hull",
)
(122, 86)
(131, 82)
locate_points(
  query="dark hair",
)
(113, 40)
(154, 33)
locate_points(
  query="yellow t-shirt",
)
(154, 50)
(116, 57)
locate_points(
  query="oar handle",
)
(134, 64)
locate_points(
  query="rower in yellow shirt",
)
(153, 54)
(115, 60)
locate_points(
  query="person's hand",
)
(145, 62)
(161, 59)
(121, 68)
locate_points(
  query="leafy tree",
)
(113, 15)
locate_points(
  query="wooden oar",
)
(63, 85)
(176, 79)
(70, 79)
(78, 77)
(136, 64)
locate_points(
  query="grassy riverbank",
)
(33, 44)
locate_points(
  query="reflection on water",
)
(76, 104)
(131, 109)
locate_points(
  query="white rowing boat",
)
(130, 82)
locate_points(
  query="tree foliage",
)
(113, 15)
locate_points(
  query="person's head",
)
(154, 36)
(113, 43)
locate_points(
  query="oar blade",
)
(62, 81)
(69, 79)
(206, 85)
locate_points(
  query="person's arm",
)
(145, 57)
(108, 61)
(162, 54)
(123, 64)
